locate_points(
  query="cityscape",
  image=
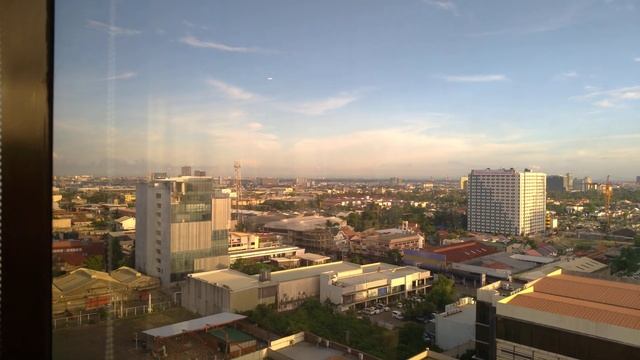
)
(437, 262)
(346, 179)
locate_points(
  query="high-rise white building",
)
(182, 227)
(506, 201)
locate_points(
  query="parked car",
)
(380, 305)
(386, 308)
(399, 305)
(397, 315)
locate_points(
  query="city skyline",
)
(414, 89)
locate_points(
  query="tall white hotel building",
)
(506, 201)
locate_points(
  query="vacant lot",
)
(90, 342)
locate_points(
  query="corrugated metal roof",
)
(593, 290)
(596, 300)
(596, 312)
(195, 324)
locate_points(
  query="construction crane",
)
(238, 178)
(607, 191)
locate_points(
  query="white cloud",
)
(475, 78)
(111, 29)
(636, 59)
(254, 126)
(191, 25)
(604, 104)
(446, 5)
(320, 107)
(195, 42)
(123, 76)
(230, 91)
(611, 98)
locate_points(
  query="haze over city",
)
(324, 89)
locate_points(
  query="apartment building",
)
(506, 201)
(182, 227)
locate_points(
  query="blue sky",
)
(372, 88)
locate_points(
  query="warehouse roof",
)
(593, 311)
(195, 324)
(601, 301)
(581, 264)
(463, 251)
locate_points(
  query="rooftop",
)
(231, 279)
(195, 324)
(303, 223)
(306, 351)
(595, 300)
(313, 257)
(463, 251)
(314, 270)
(581, 264)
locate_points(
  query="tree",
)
(410, 340)
(117, 256)
(95, 263)
(393, 257)
(442, 292)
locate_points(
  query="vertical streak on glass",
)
(1, 30)
(111, 83)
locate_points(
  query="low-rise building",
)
(379, 243)
(86, 289)
(570, 317)
(71, 254)
(309, 232)
(559, 316)
(456, 326)
(442, 257)
(125, 223)
(345, 284)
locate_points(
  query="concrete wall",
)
(296, 290)
(204, 298)
(207, 299)
(244, 300)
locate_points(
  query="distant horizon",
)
(336, 178)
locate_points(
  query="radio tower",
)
(236, 167)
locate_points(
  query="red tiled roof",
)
(463, 251)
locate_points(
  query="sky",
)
(347, 88)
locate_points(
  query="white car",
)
(397, 315)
